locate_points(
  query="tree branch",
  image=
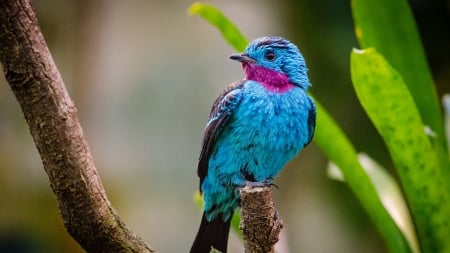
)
(260, 224)
(52, 118)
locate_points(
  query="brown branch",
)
(260, 224)
(52, 118)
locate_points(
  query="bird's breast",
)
(272, 120)
(266, 130)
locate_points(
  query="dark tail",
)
(211, 234)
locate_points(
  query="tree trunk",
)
(52, 118)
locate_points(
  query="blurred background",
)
(143, 75)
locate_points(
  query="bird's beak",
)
(242, 58)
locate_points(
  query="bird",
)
(255, 127)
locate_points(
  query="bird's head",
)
(274, 60)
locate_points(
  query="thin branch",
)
(260, 223)
(52, 118)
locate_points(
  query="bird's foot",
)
(267, 182)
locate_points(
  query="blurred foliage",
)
(383, 94)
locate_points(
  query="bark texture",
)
(53, 122)
(260, 224)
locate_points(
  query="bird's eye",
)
(270, 55)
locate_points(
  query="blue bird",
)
(255, 127)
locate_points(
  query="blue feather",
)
(255, 127)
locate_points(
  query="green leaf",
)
(392, 198)
(235, 222)
(214, 16)
(213, 250)
(389, 104)
(198, 199)
(389, 192)
(333, 142)
(389, 27)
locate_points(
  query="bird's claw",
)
(267, 182)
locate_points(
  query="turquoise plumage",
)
(255, 127)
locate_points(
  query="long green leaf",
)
(386, 99)
(389, 27)
(389, 192)
(333, 142)
(391, 196)
(214, 16)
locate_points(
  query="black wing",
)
(221, 111)
(311, 120)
